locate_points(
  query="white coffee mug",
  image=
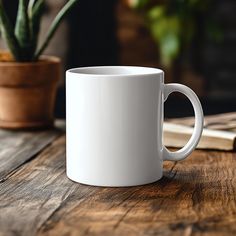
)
(114, 119)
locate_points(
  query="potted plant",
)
(28, 80)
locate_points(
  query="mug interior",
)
(115, 70)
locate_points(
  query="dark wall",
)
(214, 58)
(219, 58)
(92, 34)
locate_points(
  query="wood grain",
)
(18, 147)
(195, 197)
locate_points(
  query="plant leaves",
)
(35, 20)
(156, 12)
(7, 31)
(166, 32)
(22, 30)
(169, 48)
(56, 22)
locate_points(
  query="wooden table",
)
(195, 197)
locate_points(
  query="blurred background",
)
(193, 41)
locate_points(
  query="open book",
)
(219, 132)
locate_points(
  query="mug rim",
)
(130, 71)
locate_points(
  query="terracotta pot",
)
(27, 93)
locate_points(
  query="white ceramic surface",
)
(114, 118)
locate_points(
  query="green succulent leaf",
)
(31, 6)
(23, 39)
(54, 26)
(35, 20)
(22, 30)
(9, 37)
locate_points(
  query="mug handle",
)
(198, 127)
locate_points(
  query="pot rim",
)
(30, 74)
(44, 59)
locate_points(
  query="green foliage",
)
(172, 24)
(54, 26)
(35, 12)
(22, 30)
(22, 40)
